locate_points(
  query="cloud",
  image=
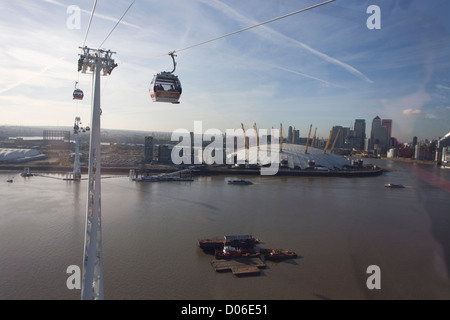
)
(276, 36)
(440, 86)
(101, 16)
(412, 112)
(31, 76)
(415, 101)
(309, 76)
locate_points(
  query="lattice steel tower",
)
(99, 62)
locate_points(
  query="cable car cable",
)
(248, 28)
(126, 11)
(89, 24)
(160, 94)
(84, 43)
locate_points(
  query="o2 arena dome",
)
(293, 156)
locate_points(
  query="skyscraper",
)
(338, 138)
(289, 139)
(148, 149)
(376, 123)
(387, 123)
(297, 136)
(360, 133)
(378, 136)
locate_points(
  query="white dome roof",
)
(295, 156)
(16, 154)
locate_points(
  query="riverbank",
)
(409, 160)
(198, 171)
(58, 169)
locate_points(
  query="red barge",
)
(277, 254)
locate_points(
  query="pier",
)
(180, 175)
(239, 266)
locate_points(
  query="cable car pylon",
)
(76, 174)
(99, 62)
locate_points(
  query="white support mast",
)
(75, 175)
(100, 63)
(76, 165)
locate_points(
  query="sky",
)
(322, 67)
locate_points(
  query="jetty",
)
(180, 175)
(239, 266)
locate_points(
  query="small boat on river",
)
(394, 185)
(240, 182)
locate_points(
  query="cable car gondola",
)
(78, 93)
(165, 86)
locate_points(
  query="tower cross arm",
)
(91, 58)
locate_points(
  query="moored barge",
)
(239, 241)
(277, 254)
(229, 252)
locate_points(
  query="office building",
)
(360, 133)
(379, 139)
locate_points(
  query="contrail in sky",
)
(95, 14)
(42, 71)
(277, 35)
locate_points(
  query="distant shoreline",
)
(409, 160)
(205, 171)
(208, 170)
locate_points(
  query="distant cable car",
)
(78, 93)
(165, 86)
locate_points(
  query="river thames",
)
(338, 227)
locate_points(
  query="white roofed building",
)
(294, 156)
(20, 155)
